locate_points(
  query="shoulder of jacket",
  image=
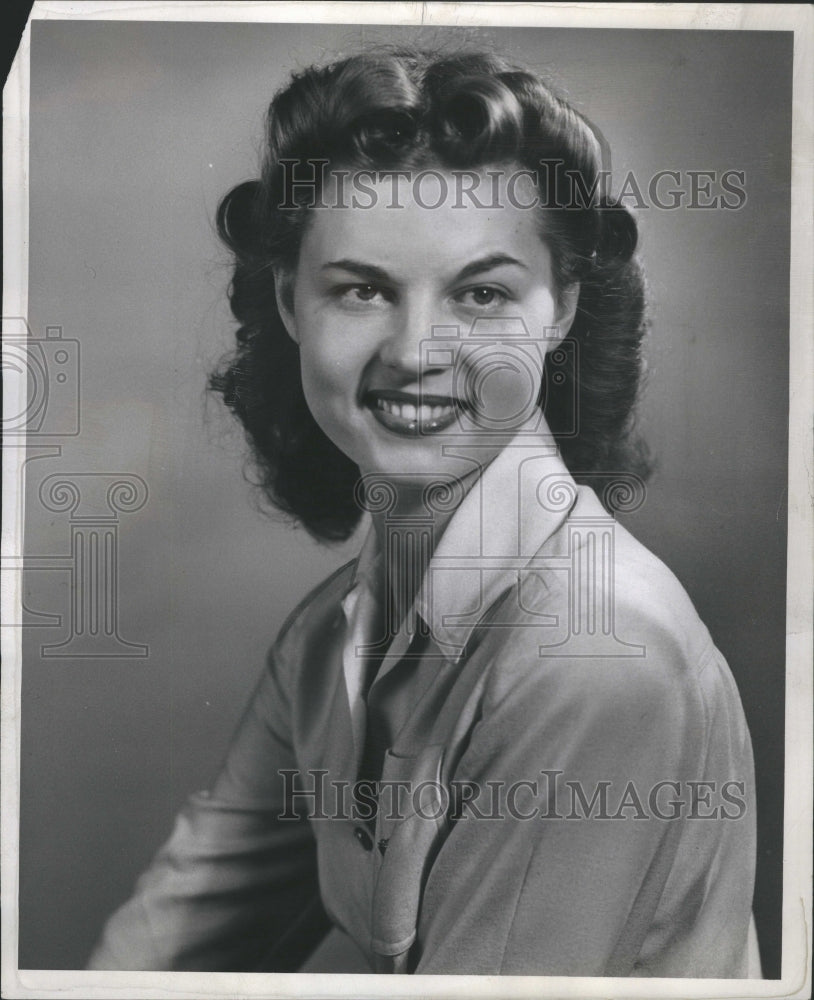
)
(322, 599)
(646, 602)
(657, 646)
(648, 597)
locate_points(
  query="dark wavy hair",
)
(398, 109)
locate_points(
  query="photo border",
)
(797, 913)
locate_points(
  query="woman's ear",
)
(567, 310)
(284, 293)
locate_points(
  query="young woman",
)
(501, 740)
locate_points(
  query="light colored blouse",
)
(568, 788)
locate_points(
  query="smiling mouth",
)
(410, 414)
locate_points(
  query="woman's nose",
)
(406, 346)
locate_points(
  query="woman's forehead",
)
(426, 215)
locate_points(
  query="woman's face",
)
(422, 327)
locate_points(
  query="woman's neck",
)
(409, 529)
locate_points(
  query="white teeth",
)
(408, 411)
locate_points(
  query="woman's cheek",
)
(331, 372)
(539, 317)
(330, 392)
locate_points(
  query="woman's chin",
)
(419, 460)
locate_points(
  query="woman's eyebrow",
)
(369, 272)
(372, 273)
(487, 263)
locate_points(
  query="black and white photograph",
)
(407, 520)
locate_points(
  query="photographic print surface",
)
(156, 575)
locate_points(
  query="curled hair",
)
(398, 109)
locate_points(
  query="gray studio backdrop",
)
(136, 131)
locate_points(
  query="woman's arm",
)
(234, 887)
(628, 885)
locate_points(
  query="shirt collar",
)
(517, 503)
(367, 568)
(521, 498)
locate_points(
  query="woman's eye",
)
(483, 296)
(358, 294)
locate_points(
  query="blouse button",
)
(364, 838)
